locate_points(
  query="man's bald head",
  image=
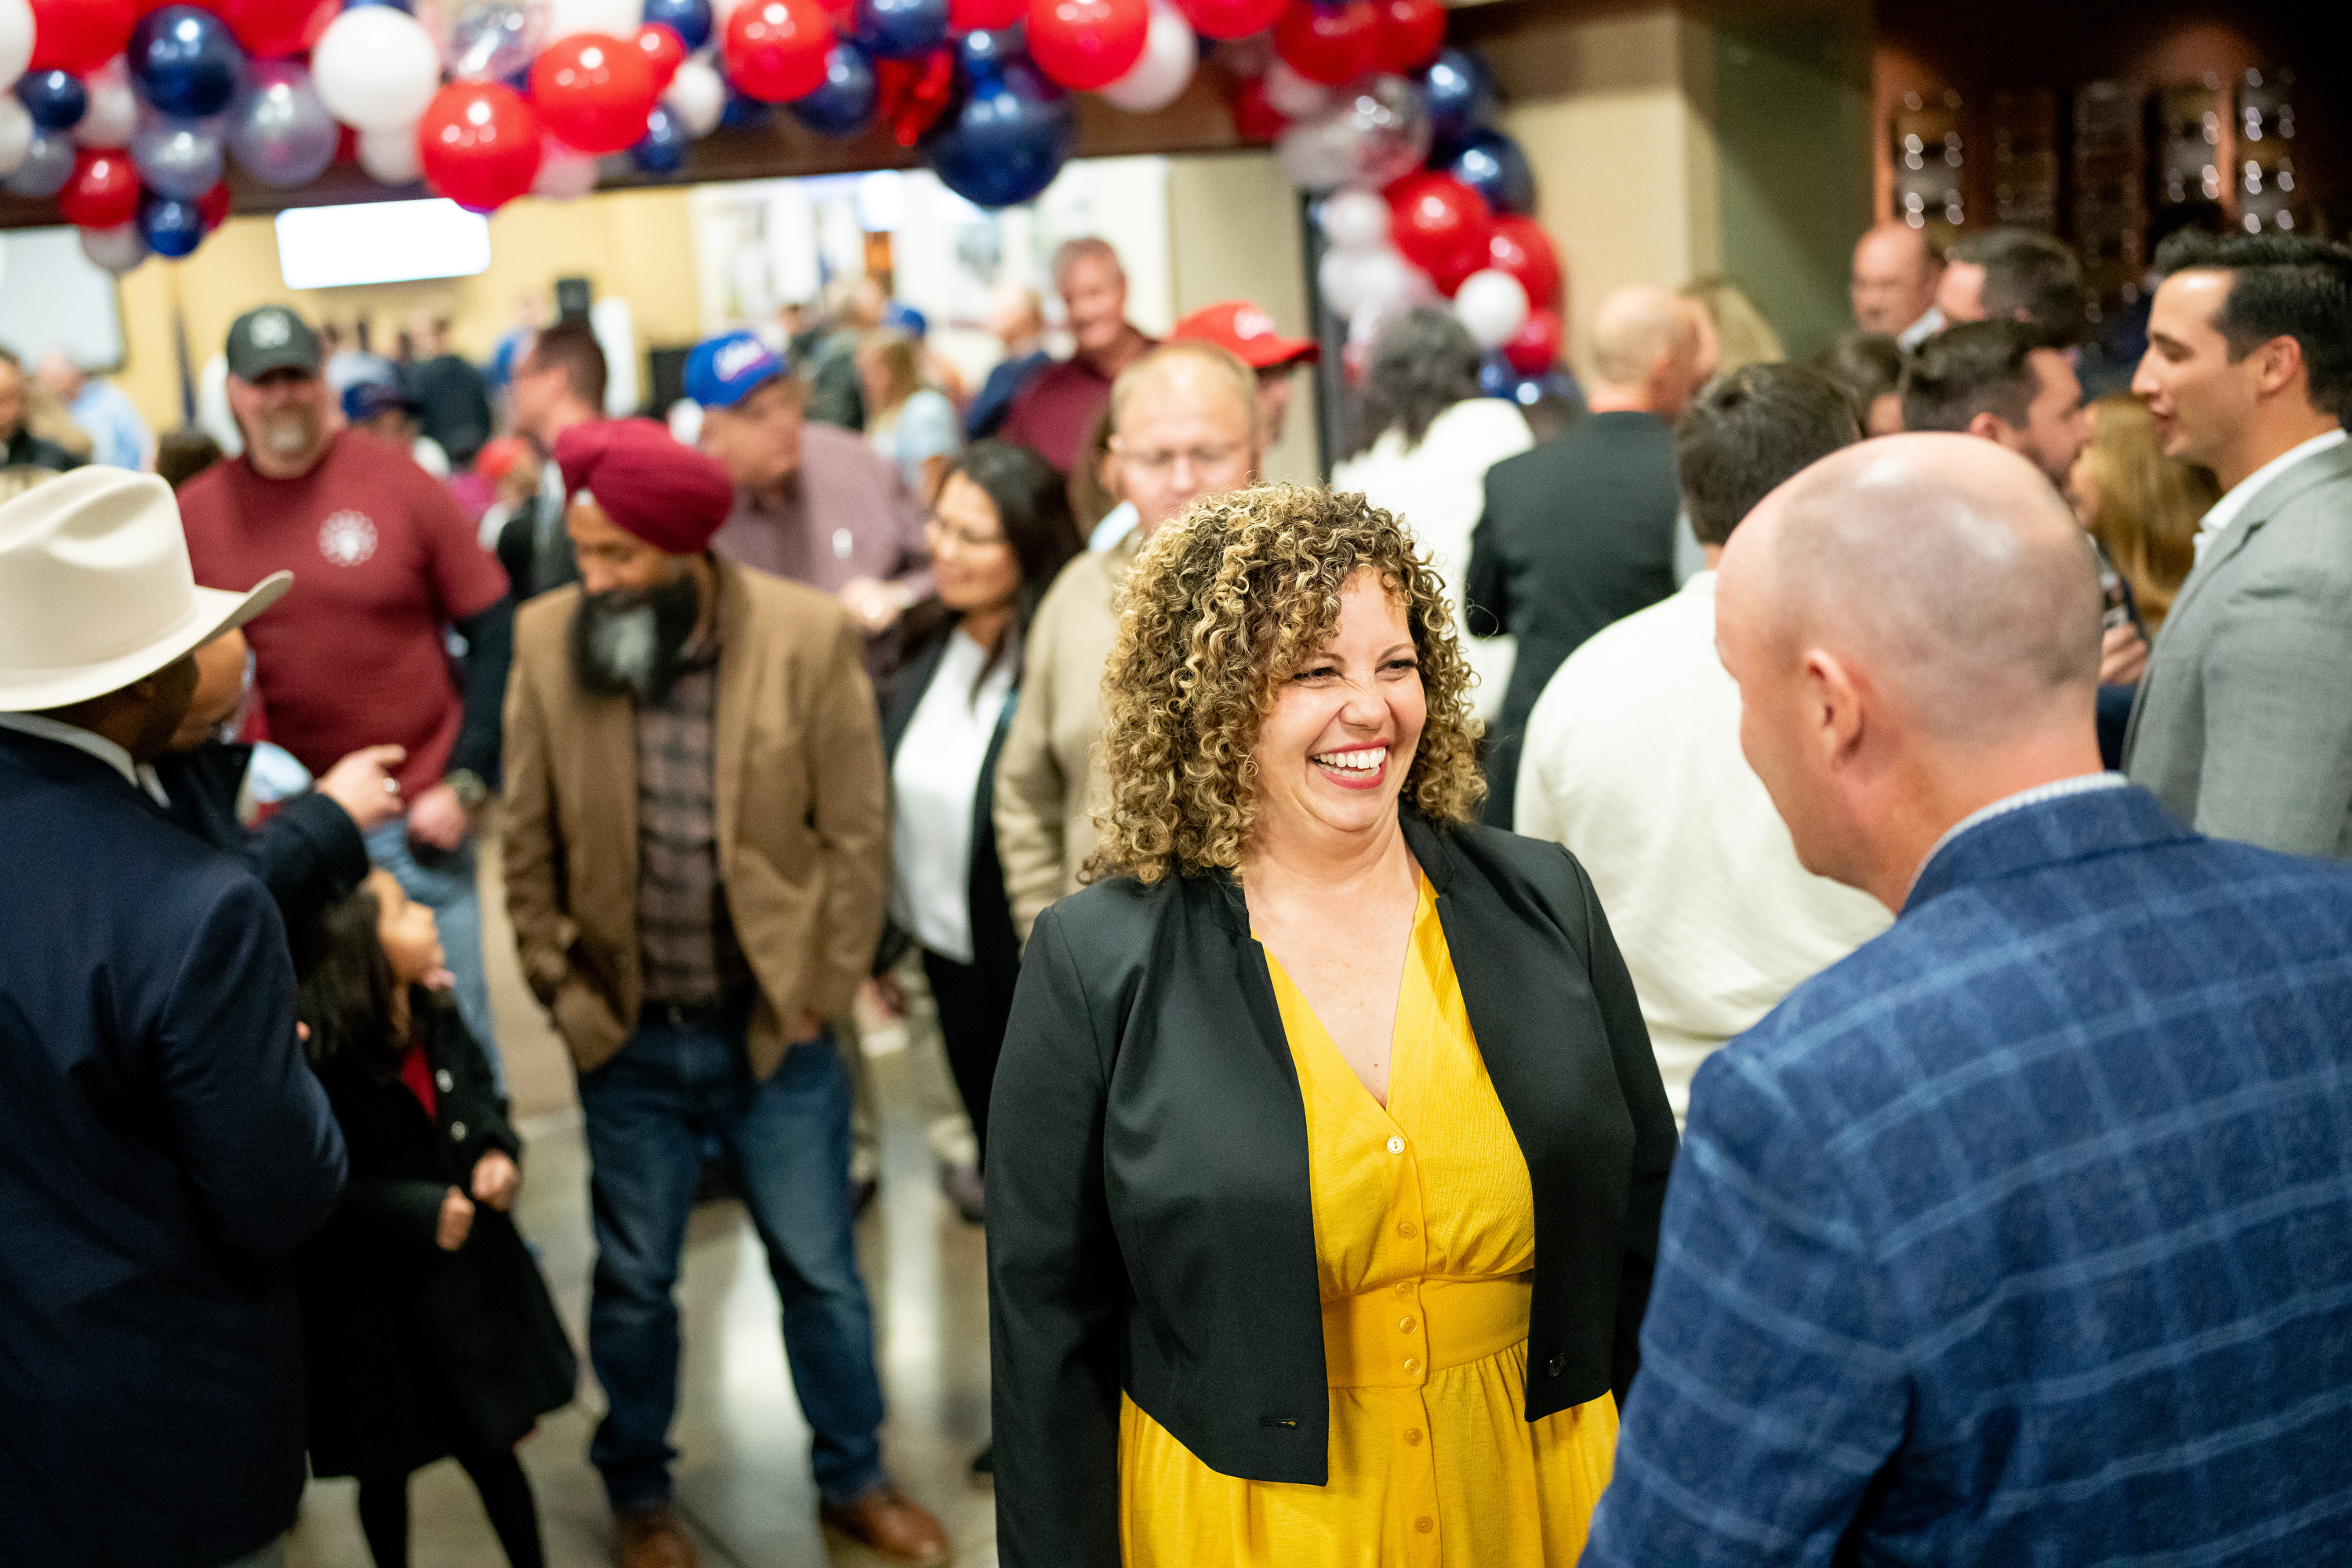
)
(1896, 270)
(1184, 424)
(1645, 351)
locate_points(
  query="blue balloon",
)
(743, 113)
(1007, 135)
(55, 99)
(1492, 164)
(665, 143)
(843, 105)
(983, 56)
(185, 63)
(691, 20)
(170, 226)
(1496, 376)
(1460, 94)
(407, 6)
(901, 29)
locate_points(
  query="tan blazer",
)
(802, 847)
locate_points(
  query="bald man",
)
(1184, 425)
(1579, 532)
(2019, 1237)
(1895, 271)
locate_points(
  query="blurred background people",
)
(1016, 319)
(558, 382)
(453, 405)
(118, 434)
(389, 414)
(1868, 368)
(29, 421)
(1892, 286)
(912, 425)
(1742, 336)
(181, 455)
(1249, 334)
(2014, 275)
(2142, 506)
(1053, 413)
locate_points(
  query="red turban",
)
(670, 495)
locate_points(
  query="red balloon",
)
(479, 142)
(1254, 116)
(664, 50)
(101, 192)
(214, 206)
(273, 29)
(1442, 226)
(776, 49)
(79, 36)
(1519, 247)
(1329, 46)
(1231, 18)
(1088, 43)
(1536, 348)
(594, 91)
(984, 15)
(1410, 33)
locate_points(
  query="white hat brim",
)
(213, 613)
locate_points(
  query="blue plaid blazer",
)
(2024, 1233)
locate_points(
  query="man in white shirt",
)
(2243, 726)
(1633, 760)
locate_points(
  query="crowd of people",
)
(1760, 977)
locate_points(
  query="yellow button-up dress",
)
(1425, 1238)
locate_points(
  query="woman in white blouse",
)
(1424, 439)
(999, 531)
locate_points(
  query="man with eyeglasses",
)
(1184, 425)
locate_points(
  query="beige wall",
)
(634, 244)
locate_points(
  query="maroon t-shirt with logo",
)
(354, 654)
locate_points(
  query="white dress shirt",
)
(934, 783)
(1633, 761)
(138, 776)
(2223, 513)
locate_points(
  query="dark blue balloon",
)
(743, 113)
(691, 20)
(185, 63)
(520, 82)
(1007, 135)
(843, 104)
(1460, 94)
(55, 99)
(408, 6)
(1496, 376)
(169, 226)
(1532, 390)
(983, 56)
(1492, 164)
(901, 29)
(665, 144)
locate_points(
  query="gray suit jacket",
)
(2243, 726)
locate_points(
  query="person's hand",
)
(456, 1221)
(363, 785)
(439, 818)
(873, 604)
(496, 1180)
(2123, 656)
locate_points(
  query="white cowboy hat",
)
(96, 591)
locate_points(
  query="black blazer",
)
(993, 945)
(308, 853)
(1151, 1228)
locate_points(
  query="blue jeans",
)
(648, 1111)
(447, 888)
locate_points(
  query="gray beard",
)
(623, 647)
(628, 644)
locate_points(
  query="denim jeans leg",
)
(449, 889)
(791, 1143)
(644, 1124)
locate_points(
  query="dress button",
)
(1424, 1524)
(443, 1081)
(1412, 1437)
(1396, 1145)
(1405, 1287)
(1404, 1229)
(456, 1132)
(1404, 1325)
(1412, 1367)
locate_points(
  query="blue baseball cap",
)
(724, 371)
(363, 400)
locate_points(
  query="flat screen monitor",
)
(380, 242)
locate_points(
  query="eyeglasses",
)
(938, 532)
(1159, 460)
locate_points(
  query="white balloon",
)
(1353, 281)
(1355, 220)
(16, 134)
(117, 249)
(564, 174)
(391, 157)
(113, 112)
(16, 40)
(698, 95)
(376, 67)
(1492, 305)
(1292, 96)
(1159, 77)
(620, 18)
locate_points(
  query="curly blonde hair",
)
(1221, 606)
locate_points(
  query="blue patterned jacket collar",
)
(2071, 826)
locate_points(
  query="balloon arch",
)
(128, 112)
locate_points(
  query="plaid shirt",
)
(686, 939)
(2023, 1235)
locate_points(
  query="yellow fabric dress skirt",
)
(1424, 1237)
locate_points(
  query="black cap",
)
(272, 338)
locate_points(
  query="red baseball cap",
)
(1249, 332)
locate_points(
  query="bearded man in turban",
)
(695, 862)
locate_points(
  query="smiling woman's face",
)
(1333, 753)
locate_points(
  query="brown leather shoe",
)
(650, 1537)
(885, 1522)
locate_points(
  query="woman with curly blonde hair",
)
(1325, 1178)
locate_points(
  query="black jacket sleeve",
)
(1486, 592)
(307, 854)
(490, 650)
(1056, 1284)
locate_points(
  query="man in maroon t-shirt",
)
(1054, 414)
(357, 653)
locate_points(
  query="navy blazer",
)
(308, 853)
(162, 1148)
